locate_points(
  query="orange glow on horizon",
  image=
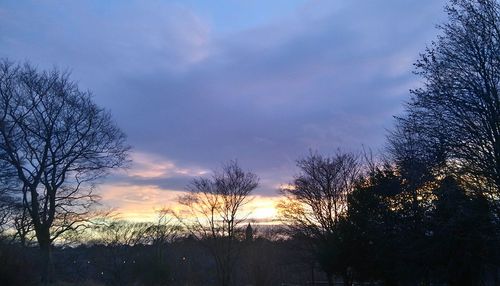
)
(142, 203)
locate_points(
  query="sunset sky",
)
(194, 84)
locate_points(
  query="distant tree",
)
(23, 225)
(459, 103)
(15, 221)
(213, 214)
(6, 213)
(164, 230)
(115, 233)
(59, 142)
(9, 206)
(315, 203)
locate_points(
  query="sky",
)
(195, 84)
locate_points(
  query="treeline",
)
(128, 258)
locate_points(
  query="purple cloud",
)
(326, 75)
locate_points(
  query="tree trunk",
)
(47, 275)
(22, 240)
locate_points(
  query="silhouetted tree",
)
(59, 142)
(452, 129)
(463, 235)
(9, 206)
(6, 212)
(459, 104)
(372, 229)
(213, 213)
(315, 203)
(23, 225)
(418, 159)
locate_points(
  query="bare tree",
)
(23, 225)
(59, 142)
(317, 199)
(459, 104)
(15, 221)
(6, 213)
(8, 186)
(213, 213)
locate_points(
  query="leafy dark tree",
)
(371, 230)
(463, 235)
(215, 204)
(59, 142)
(315, 203)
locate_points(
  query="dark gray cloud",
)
(327, 75)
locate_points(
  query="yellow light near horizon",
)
(143, 203)
(136, 203)
(262, 208)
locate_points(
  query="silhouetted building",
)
(249, 233)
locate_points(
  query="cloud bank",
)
(193, 86)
